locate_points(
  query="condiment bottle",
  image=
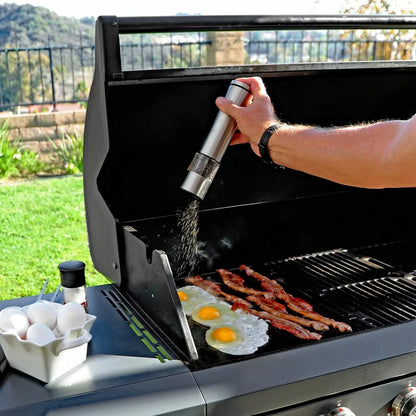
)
(73, 282)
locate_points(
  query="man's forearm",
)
(361, 155)
(379, 155)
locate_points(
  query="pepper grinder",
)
(73, 282)
(205, 164)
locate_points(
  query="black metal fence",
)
(171, 51)
(40, 79)
(327, 46)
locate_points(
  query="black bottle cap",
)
(72, 273)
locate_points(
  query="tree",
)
(23, 78)
(375, 7)
(391, 44)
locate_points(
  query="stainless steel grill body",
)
(350, 252)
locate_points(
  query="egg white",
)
(196, 298)
(251, 334)
(224, 346)
(226, 314)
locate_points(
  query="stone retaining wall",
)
(35, 130)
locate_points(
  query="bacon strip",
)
(341, 326)
(239, 303)
(285, 325)
(295, 304)
(270, 307)
(274, 287)
(215, 289)
(236, 282)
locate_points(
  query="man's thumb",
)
(226, 106)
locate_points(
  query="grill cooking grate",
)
(368, 292)
(362, 291)
(338, 268)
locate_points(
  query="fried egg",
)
(214, 314)
(238, 338)
(224, 338)
(232, 332)
(192, 297)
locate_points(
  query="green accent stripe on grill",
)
(138, 328)
(135, 330)
(137, 322)
(148, 345)
(163, 352)
(149, 337)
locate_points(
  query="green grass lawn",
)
(42, 223)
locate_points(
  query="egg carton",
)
(53, 359)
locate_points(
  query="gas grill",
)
(349, 252)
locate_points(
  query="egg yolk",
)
(224, 334)
(209, 313)
(183, 296)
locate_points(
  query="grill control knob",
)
(405, 403)
(341, 411)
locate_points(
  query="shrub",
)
(15, 160)
(70, 153)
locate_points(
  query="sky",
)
(83, 8)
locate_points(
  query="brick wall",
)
(33, 130)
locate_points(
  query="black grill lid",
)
(135, 158)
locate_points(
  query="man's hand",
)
(254, 118)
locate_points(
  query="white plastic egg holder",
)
(49, 361)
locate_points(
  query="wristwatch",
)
(264, 140)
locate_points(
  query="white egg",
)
(40, 334)
(42, 313)
(14, 320)
(193, 296)
(72, 315)
(214, 314)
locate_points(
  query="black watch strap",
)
(264, 152)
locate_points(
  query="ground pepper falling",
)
(185, 255)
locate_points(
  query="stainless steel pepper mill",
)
(205, 164)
